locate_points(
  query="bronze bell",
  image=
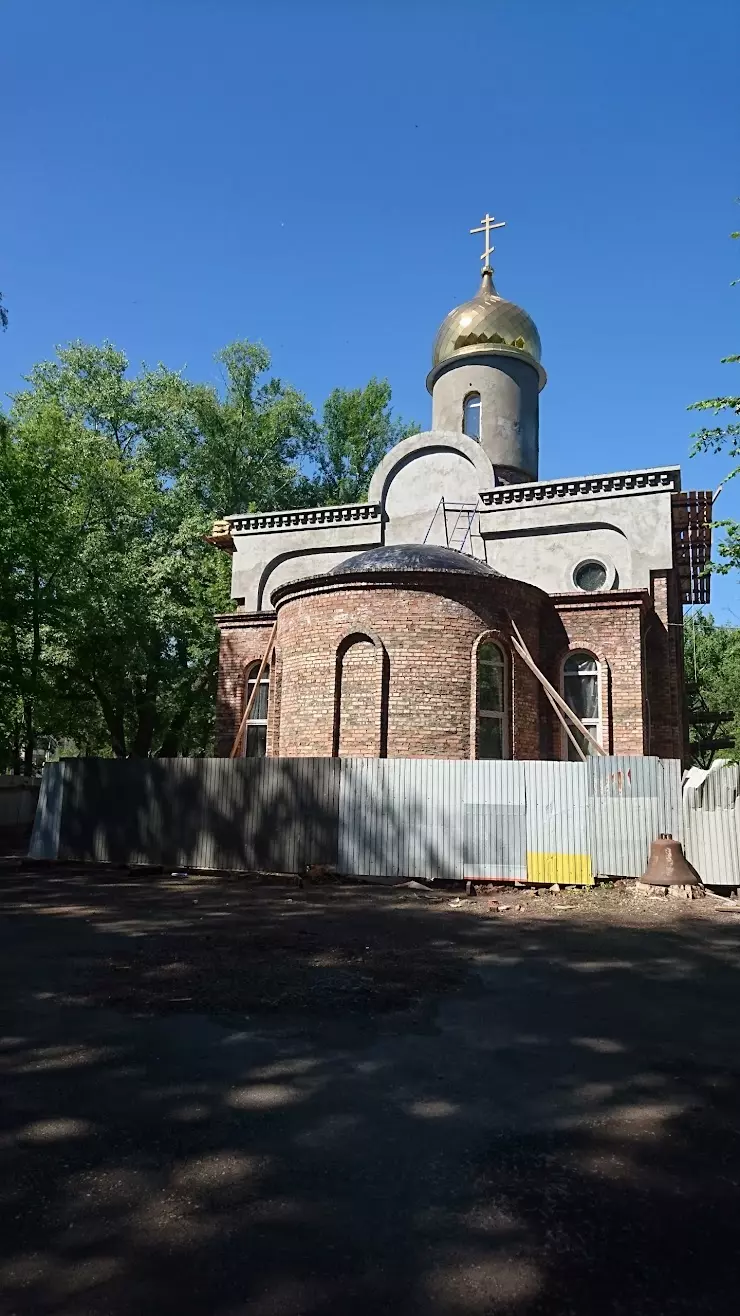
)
(667, 866)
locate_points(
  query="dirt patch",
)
(228, 945)
(218, 946)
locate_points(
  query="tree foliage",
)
(107, 588)
(3, 313)
(712, 665)
(244, 443)
(357, 428)
(724, 437)
(108, 482)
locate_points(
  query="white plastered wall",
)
(534, 532)
(542, 544)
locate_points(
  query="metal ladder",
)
(462, 516)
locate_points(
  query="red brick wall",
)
(359, 700)
(610, 627)
(664, 669)
(427, 627)
(409, 690)
(244, 638)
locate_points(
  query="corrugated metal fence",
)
(18, 800)
(540, 822)
(631, 799)
(711, 811)
(276, 815)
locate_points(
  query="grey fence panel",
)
(292, 814)
(495, 830)
(400, 817)
(558, 832)
(632, 801)
(279, 815)
(113, 810)
(45, 834)
(711, 813)
(432, 818)
(18, 801)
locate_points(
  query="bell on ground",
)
(667, 866)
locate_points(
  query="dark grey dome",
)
(413, 557)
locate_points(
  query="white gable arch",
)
(412, 478)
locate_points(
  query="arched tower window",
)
(581, 693)
(492, 702)
(255, 739)
(471, 416)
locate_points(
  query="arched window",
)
(361, 698)
(492, 702)
(255, 739)
(471, 416)
(581, 693)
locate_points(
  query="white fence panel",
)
(711, 814)
(558, 836)
(633, 801)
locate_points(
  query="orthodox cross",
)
(486, 225)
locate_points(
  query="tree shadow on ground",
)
(388, 1106)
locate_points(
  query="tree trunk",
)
(113, 718)
(146, 712)
(29, 701)
(17, 765)
(172, 740)
(141, 745)
(29, 742)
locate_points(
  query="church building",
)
(392, 626)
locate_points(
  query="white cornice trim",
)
(304, 518)
(655, 479)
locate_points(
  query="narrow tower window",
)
(581, 693)
(492, 710)
(255, 740)
(471, 416)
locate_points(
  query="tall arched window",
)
(581, 693)
(255, 739)
(361, 698)
(492, 702)
(471, 416)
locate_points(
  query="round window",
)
(590, 575)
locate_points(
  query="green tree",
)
(723, 438)
(108, 483)
(3, 313)
(241, 449)
(40, 521)
(712, 665)
(357, 429)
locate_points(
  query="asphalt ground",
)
(224, 1096)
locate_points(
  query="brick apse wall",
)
(386, 667)
(421, 629)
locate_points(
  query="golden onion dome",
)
(488, 323)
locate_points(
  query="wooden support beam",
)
(580, 751)
(526, 657)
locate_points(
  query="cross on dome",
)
(487, 224)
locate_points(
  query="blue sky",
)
(179, 173)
